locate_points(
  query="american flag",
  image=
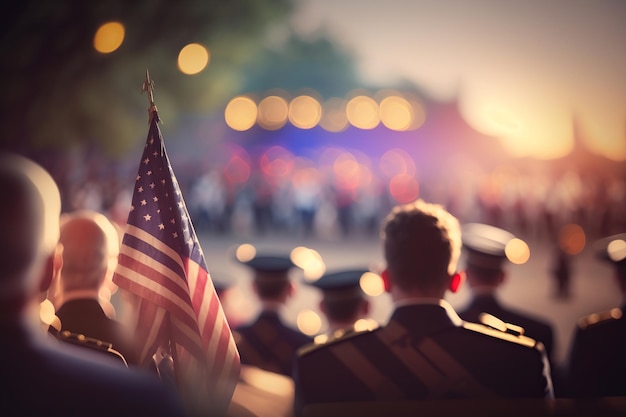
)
(176, 308)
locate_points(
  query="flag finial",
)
(148, 86)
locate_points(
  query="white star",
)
(147, 217)
(149, 172)
(155, 198)
(146, 161)
(144, 202)
(152, 185)
(140, 189)
(174, 235)
(161, 226)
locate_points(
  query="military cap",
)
(485, 245)
(341, 284)
(612, 249)
(270, 267)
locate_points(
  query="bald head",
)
(29, 223)
(89, 242)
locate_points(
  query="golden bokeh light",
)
(241, 113)
(109, 37)
(572, 239)
(363, 112)
(47, 312)
(305, 112)
(372, 284)
(245, 252)
(310, 261)
(334, 118)
(396, 113)
(517, 251)
(273, 112)
(617, 250)
(193, 58)
(365, 324)
(309, 322)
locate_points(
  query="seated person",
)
(40, 375)
(425, 351)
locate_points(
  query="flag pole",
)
(148, 86)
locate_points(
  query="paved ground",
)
(529, 287)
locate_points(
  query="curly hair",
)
(422, 245)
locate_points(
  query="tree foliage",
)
(58, 91)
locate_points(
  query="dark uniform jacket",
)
(597, 361)
(269, 343)
(85, 316)
(533, 326)
(424, 352)
(42, 376)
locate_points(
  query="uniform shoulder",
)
(337, 337)
(500, 330)
(595, 319)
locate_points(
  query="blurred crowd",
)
(311, 201)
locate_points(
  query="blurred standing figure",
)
(90, 248)
(268, 342)
(343, 302)
(41, 376)
(485, 260)
(562, 273)
(596, 362)
(425, 351)
(259, 393)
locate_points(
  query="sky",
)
(520, 70)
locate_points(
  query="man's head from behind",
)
(422, 245)
(90, 242)
(29, 224)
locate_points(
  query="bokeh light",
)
(310, 261)
(365, 324)
(47, 314)
(276, 162)
(309, 322)
(404, 188)
(305, 112)
(245, 252)
(237, 170)
(396, 162)
(572, 239)
(396, 113)
(363, 112)
(193, 58)
(273, 112)
(517, 251)
(109, 37)
(334, 118)
(241, 113)
(617, 250)
(372, 284)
